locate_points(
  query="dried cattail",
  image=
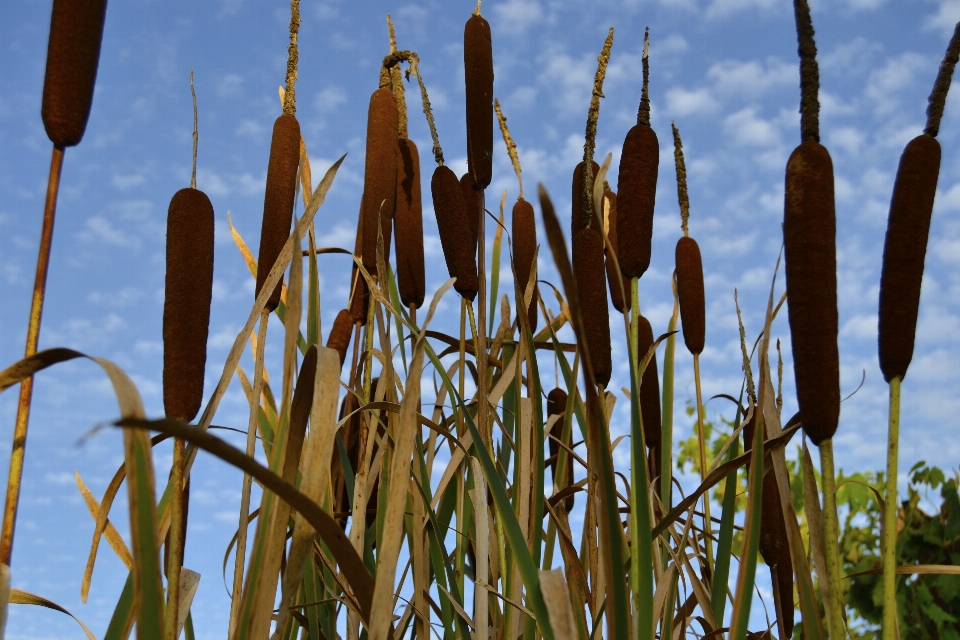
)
(904, 251)
(616, 292)
(810, 230)
(474, 206)
(577, 221)
(478, 75)
(186, 305)
(524, 247)
(690, 292)
(636, 197)
(350, 437)
(409, 226)
(649, 386)
(557, 406)
(379, 175)
(455, 234)
(591, 285)
(774, 545)
(339, 337)
(359, 293)
(279, 198)
(73, 54)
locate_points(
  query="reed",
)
(619, 286)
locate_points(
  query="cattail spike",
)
(380, 175)
(682, 196)
(511, 145)
(73, 55)
(809, 73)
(478, 77)
(524, 232)
(690, 292)
(455, 231)
(339, 338)
(474, 207)
(649, 386)
(293, 57)
(643, 113)
(186, 306)
(557, 406)
(590, 138)
(938, 96)
(278, 198)
(409, 228)
(620, 290)
(578, 220)
(588, 270)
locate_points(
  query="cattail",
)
(524, 248)
(636, 197)
(774, 545)
(339, 337)
(690, 292)
(474, 206)
(650, 385)
(350, 437)
(617, 293)
(380, 175)
(186, 305)
(557, 406)
(810, 230)
(577, 220)
(478, 75)
(591, 285)
(409, 227)
(359, 293)
(455, 233)
(278, 199)
(73, 54)
(637, 185)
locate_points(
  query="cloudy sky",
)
(724, 70)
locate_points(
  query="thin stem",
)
(666, 404)
(33, 336)
(483, 411)
(831, 534)
(708, 542)
(175, 542)
(938, 96)
(196, 136)
(590, 141)
(889, 546)
(293, 57)
(252, 424)
(511, 145)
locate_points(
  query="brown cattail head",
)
(636, 197)
(577, 220)
(278, 199)
(557, 406)
(409, 226)
(649, 385)
(478, 75)
(186, 305)
(339, 337)
(455, 234)
(620, 303)
(904, 251)
(690, 292)
(809, 235)
(474, 206)
(524, 247)
(73, 54)
(359, 293)
(379, 175)
(591, 286)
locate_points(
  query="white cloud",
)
(752, 78)
(722, 8)
(884, 84)
(230, 86)
(330, 98)
(849, 139)
(515, 16)
(683, 102)
(947, 16)
(747, 129)
(100, 230)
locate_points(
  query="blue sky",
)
(724, 70)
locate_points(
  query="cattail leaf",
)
(18, 596)
(110, 532)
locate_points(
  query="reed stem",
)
(831, 534)
(175, 542)
(252, 425)
(889, 546)
(33, 336)
(702, 441)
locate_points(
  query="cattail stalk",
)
(809, 229)
(73, 55)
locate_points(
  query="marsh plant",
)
(383, 515)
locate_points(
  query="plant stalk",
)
(831, 534)
(889, 546)
(252, 425)
(707, 541)
(33, 336)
